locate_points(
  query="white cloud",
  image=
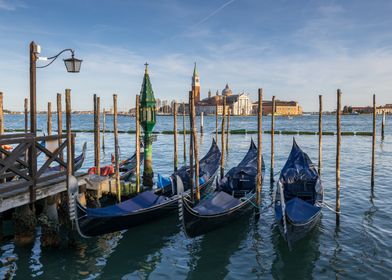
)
(11, 5)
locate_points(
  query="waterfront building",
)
(282, 108)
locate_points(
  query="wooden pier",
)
(24, 182)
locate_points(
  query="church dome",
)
(227, 91)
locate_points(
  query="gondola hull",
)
(296, 232)
(195, 224)
(93, 226)
(90, 226)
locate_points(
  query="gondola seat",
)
(300, 211)
(141, 201)
(220, 203)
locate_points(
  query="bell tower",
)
(196, 85)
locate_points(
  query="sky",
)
(294, 50)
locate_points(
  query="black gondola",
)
(144, 207)
(234, 197)
(78, 161)
(298, 196)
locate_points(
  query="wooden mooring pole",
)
(222, 167)
(1, 114)
(116, 149)
(26, 115)
(69, 132)
(184, 129)
(320, 132)
(97, 131)
(103, 128)
(195, 147)
(59, 110)
(216, 120)
(259, 146)
(137, 143)
(383, 125)
(201, 122)
(228, 130)
(338, 139)
(191, 162)
(373, 142)
(272, 140)
(49, 118)
(175, 136)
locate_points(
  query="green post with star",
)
(147, 120)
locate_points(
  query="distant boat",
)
(298, 195)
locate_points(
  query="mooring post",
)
(201, 122)
(175, 135)
(1, 114)
(70, 164)
(1, 126)
(228, 130)
(49, 118)
(69, 131)
(116, 148)
(272, 140)
(222, 167)
(338, 139)
(216, 120)
(373, 141)
(103, 128)
(196, 147)
(97, 130)
(26, 115)
(382, 125)
(191, 143)
(184, 129)
(137, 143)
(98, 144)
(259, 146)
(59, 122)
(320, 132)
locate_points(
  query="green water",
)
(360, 248)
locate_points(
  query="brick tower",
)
(196, 85)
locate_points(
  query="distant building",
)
(282, 108)
(238, 104)
(387, 108)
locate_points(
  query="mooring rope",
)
(329, 207)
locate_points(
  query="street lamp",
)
(72, 65)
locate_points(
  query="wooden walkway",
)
(12, 195)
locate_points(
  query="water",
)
(361, 247)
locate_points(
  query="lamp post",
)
(72, 65)
(147, 121)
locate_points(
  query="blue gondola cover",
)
(220, 202)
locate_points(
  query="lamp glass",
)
(73, 64)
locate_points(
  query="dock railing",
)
(25, 162)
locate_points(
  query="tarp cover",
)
(208, 165)
(141, 201)
(299, 211)
(218, 203)
(299, 176)
(243, 176)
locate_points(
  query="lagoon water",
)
(360, 248)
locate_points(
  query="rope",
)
(329, 207)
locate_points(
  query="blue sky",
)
(295, 50)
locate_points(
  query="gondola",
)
(78, 161)
(298, 196)
(233, 198)
(128, 166)
(144, 207)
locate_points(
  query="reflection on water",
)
(299, 262)
(360, 247)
